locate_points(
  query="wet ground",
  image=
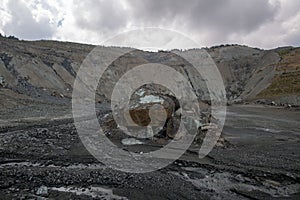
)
(46, 160)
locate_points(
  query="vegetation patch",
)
(287, 81)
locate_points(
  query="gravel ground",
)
(46, 160)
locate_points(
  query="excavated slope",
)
(43, 72)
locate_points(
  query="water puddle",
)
(94, 192)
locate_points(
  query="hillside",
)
(39, 75)
(285, 85)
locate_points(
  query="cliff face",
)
(43, 72)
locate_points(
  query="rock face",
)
(246, 71)
(42, 68)
(43, 72)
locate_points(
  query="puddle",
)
(131, 141)
(26, 164)
(94, 192)
(73, 166)
(224, 182)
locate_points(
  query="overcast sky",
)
(258, 23)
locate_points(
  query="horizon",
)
(12, 37)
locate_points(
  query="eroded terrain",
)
(48, 160)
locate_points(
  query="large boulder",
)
(157, 115)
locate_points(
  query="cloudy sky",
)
(258, 23)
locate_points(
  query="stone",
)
(172, 127)
(42, 191)
(3, 82)
(240, 178)
(272, 183)
(157, 116)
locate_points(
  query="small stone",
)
(184, 174)
(272, 183)
(240, 178)
(42, 191)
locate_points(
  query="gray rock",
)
(42, 191)
(3, 82)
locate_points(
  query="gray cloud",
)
(233, 15)
(218, 18)
(293, 39)
(262, 23)
(99, 15)
(23, 25)
(215, 19)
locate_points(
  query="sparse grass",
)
(284, 84)
(284, 52)
(287, 81)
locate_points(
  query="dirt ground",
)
(45, 159)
